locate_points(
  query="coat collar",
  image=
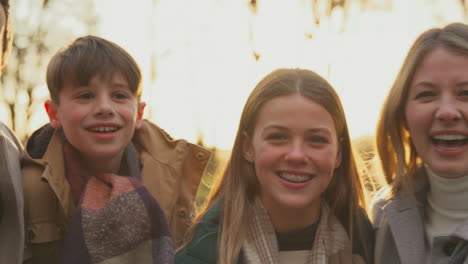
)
(405, 213)
(407, 227)
(54, 169)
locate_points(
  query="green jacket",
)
(203, 248)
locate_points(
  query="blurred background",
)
(200, 59)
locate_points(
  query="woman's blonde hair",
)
(238, 186)
(397, 154)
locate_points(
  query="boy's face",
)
(98, 119)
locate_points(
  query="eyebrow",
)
(432, 85)
(425, 84)
(314, 130)
(120, 85)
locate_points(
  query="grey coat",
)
(11, 199)
(401, 237)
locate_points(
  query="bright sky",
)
(205, 68)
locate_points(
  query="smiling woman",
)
(422, 143)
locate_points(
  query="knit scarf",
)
(117, 220)
(261, 245)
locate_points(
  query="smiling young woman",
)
(291, 192)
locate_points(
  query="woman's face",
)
(437, 110)
(294, 149)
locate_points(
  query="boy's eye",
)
(85, 96)
(464, 93)
(120, 96)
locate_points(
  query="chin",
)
(297, 203)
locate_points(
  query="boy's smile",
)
(99, 119)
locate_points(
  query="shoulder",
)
(7, 134)
(203, 248)
(157, 143)
(364, 236)
(10, 152)
(380, 200)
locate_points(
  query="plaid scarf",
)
(331, 243)
(117, 219)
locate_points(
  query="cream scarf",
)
(261, 245)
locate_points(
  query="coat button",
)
(31, 235)
(200, 155)
(449, 247)
(182, 212)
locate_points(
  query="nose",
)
(296, 153)
(104, 106)
(448, 111)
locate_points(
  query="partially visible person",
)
(422, 141)
(11, 196)
(99, 180)
(291, 191)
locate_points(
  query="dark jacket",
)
(11, 198)
(203, 248)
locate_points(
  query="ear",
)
(247, 149)
(339, 156)
(52, 112)
(140, 111)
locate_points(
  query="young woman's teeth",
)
(294, 177)
(103, 129)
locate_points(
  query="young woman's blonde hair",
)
(238, 186)
(397, 154)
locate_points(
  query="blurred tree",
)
(40, 29)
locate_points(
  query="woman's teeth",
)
(295, 177)
(449, 141)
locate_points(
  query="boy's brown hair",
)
(87, 57)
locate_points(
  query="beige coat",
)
(171, 171)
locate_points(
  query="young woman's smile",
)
(295, 150)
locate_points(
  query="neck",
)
(103, 165)
(448, 193)
(287, 219)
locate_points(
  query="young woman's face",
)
(437, 110)
(294, 149)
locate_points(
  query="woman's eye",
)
(276, 137)
(318, 139)
(424, 94)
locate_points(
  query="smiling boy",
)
(97, 129)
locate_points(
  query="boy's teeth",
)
(295, 177)
(450, 137)
(103, 129)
